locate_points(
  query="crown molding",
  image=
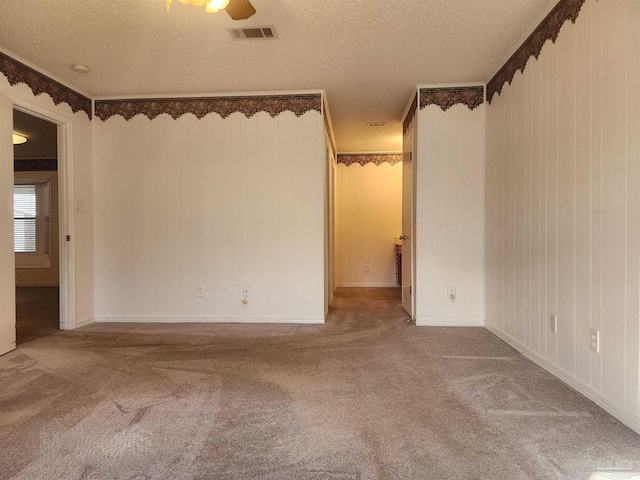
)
(203, 106)
(548, 29)
(17, 72)
(364, 158)
(446, 97)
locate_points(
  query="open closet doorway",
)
(369, 222)
(36, 227)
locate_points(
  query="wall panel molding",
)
(447, 97)
(201, 107)
(562, 217)
(17, 72)
(364, 158)
(596, 397)
(548, 29)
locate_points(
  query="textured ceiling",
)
(367, 54)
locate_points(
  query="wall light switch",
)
(452, 294)
(79, 206)
(553, 325)
(366, 268)
(595, 340)
(199, 291)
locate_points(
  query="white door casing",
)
(407, 224)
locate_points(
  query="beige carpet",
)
(366, 396)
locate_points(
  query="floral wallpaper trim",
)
(201, 107)
(364, 158)
(548, 29)
(39, 165)
(17, 72)
(447, 97)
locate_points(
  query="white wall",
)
(563, 205)
(81, 154)
(368, 218)
(449, 231)
(215, 202)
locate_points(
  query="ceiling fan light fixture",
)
(213, 6)
(210, 6)
(19, 139)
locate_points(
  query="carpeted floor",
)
(367, 396)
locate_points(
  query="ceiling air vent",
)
(252, 33)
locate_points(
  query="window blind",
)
(24, 218)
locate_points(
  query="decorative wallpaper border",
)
(447, 97)
(548, 29)
(364, 158)
(201, 107)
(17, 72)
(410, 114)
(38, 165)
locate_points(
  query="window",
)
(32, 223)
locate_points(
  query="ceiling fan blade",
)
(240, 9)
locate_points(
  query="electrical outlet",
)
(452, 294)
(245, 291)
(553, 325)
(595, 340)
(366, 268)
(199, 291)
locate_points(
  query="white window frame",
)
(39, 259)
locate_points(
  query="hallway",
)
(366, 396)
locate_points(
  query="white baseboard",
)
(84, 322)
(367, 285)
(449, 322)
(626, 417)
(204, 319)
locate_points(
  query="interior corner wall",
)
(368, 217)
(82, 152)
(449, 230)
(563, 206)
(217, 203)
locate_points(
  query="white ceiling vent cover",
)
(255, 33)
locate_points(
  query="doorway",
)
(36, 226)
(368, 220)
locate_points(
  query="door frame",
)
(411, 116)
(410, 137)
(66, 201)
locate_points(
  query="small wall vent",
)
(252, 33)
